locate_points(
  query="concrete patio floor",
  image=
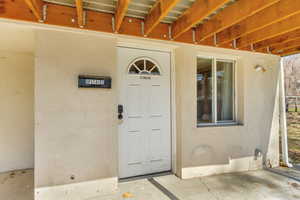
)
(16, 185)
(253, 185)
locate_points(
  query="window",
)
(215, 91)
(144, 66)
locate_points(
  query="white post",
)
(283, 127)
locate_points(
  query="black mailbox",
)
(87, 81)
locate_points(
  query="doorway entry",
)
(144, 112)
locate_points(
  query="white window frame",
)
(214, 122)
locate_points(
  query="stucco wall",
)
(257, 112)
(16, 110)
(75, 129)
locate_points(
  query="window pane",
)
(149, 65)
(155, 71)
(225, 91)
(140, 64)
(133, 70)
(204, 90)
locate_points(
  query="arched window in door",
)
(144, 66)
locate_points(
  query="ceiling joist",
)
(36, 8)
(121, 9)
(195, 14)
(157, 13)
(290, 24)
(290, 36)
(270, 15)
(268, 26)
(285, 46)
(291, 51)
(232, 15)
(1, 6)
(79, 9)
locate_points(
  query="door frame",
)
(165, 49)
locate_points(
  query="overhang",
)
(267, 26)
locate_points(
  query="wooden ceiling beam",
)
(79, 9)
(65, 16)
(285, 46)
(232, 15)
(278, 39)
(290, 51)
(199, 10)
(36, 8)
(270, 15)
(290, 24)
(157, 13)
(1, 6)
(121, 10)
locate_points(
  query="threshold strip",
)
(162, 189)
(282, 174)
(146, 176)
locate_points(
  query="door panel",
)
(144, 132)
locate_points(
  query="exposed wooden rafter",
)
(281, 38)
(290, 51)
(157, 13)
(199, 11)
(270, 15)
(290, 24)
(285, 46)
(122, 7)
(79, 9)
(36, 8)
(232, 15)
(290, 36)
(1, 6)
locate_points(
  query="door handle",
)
(120, 111)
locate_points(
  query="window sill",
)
(219, 125)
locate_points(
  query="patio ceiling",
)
(268, 26)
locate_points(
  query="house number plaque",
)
(145, 77)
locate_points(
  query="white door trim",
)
(171, 50)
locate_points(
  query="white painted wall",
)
(16, 110)
(75, 128)
(257, 104)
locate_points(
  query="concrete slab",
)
(140, 189)
(17, 185)
(258, 185)
(254, 185)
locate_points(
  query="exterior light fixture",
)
(259, 68)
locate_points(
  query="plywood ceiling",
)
(268, 26)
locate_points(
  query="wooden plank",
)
(290, 24)
(157, 13)
(278, 39)
(1, 6)
(199, 10)
(17, 10)
(270, 15)
(290, 51)
(121, 10)
(160, 31)
(66, 16)
(79, 9)
(36, 8)
(186, 37)
(232, 15)
(285, 46)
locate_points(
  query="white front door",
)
(144, 131)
